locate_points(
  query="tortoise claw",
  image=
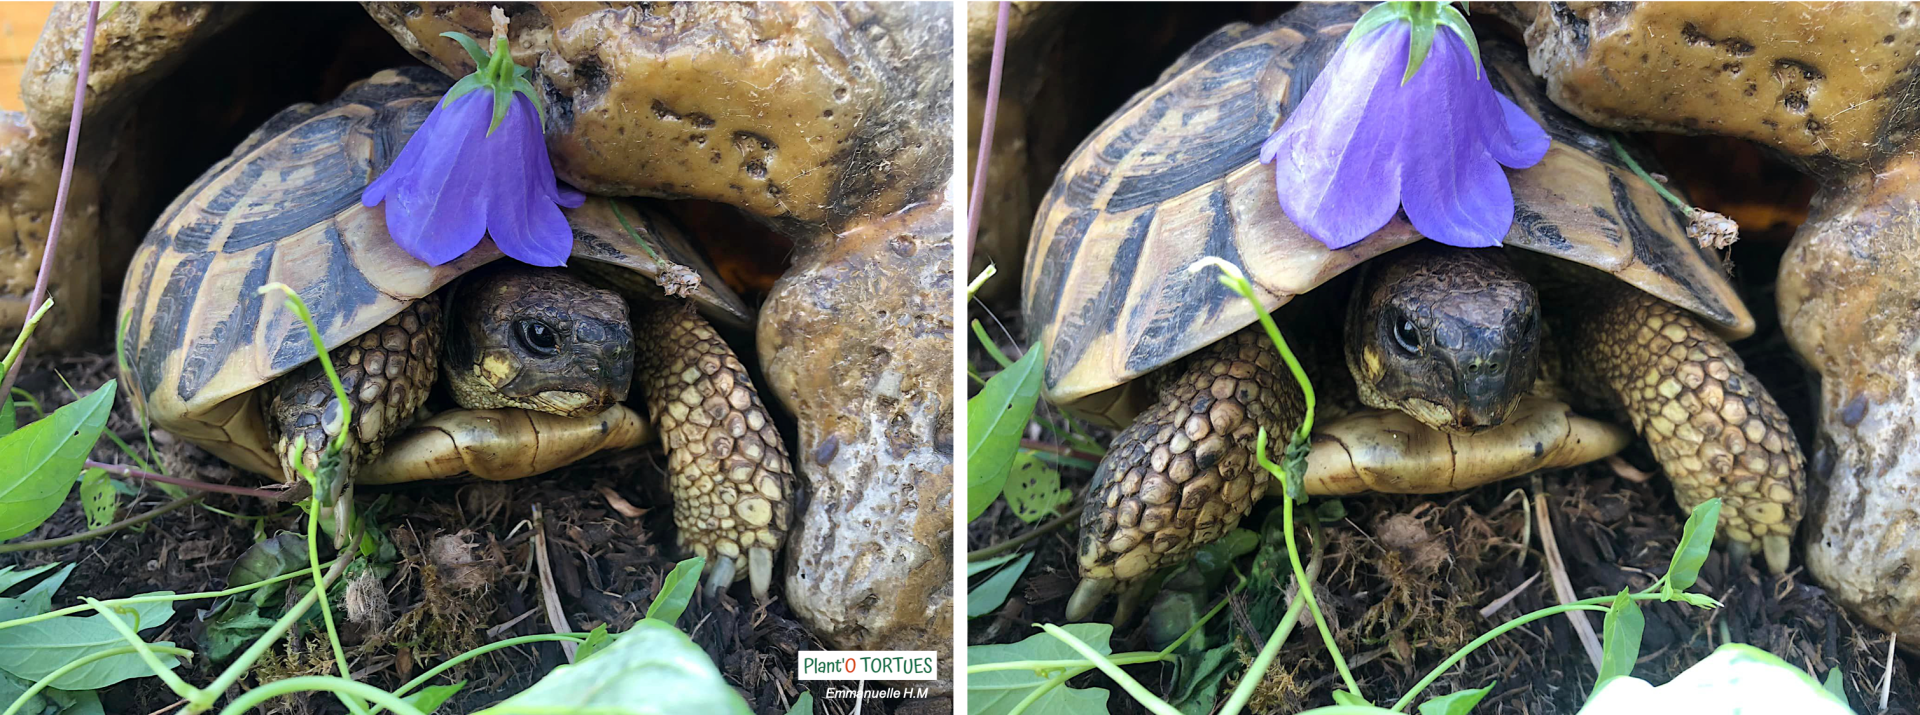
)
(1779, 552)
(721, 576)
(760, 570)
(1087, 597)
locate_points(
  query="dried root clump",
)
(459, 569)
(366, 602)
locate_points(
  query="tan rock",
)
(135, 46)
(805, 114)
(857, 342)
(1829, 82)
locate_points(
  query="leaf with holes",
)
(44, 457)
(1033, 488)
(97, 498)
(996, 417)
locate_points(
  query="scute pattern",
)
(284, 207)
(728, 468)
(1146, 194)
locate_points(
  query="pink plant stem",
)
(66, 181)
(131, 473)
(986, 124)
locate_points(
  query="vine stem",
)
(988, 114)
(1306, 594)
(1597, 603)
(102, 531)
(1037, 532)
(66, 182)
(157, 598)
(58, 673)
(1258, 670)
(341, 686)
(1621, 151)
(133, 473)
(230, 676)
(482, 650)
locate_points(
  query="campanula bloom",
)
(1403, 116)
(478, 167)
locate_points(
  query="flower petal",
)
(1454, 190)
(1334, 158)
(522, 217)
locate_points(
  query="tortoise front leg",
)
(387, 373)
(1711, 424)
(1183, 473)
(726, 464)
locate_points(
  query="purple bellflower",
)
(1370, 136)
(478, 167)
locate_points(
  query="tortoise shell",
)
(1174, 175)
(196, 335)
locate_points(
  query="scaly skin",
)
(726, 464)
(1183, 473)
(387, 372)
(1711, 424)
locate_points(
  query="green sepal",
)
(521, 85)
(1420, 42)
(1374, 19)
(480, 56)
(466, 84)
(1451, 17)
(502, 98)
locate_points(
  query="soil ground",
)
(607, 567)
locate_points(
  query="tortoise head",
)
(537, 339)
(1450, 336)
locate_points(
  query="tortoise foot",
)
(1087, 597)
(1710, 423)
(726, 464)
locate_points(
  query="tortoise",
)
(1468, 356)
(536, 363)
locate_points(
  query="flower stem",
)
(1313, 606)
(48, 250)
(246, 701)
(1598, 603)
(1621, 152)
(988, 115)
(1258, 671)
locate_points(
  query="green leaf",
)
(83, 702)
(1200, 680)
(987, 597)
(283, 554)
(7, 416)
(597, 640)
(235, 628)
(1342, 697)
(34, 601)
(49, 452)
(652, 668)
(1459, 703)
(997, 692)
(1033, 488)
(479, 54)
(11, 688)
(676, 590)
(1330, 510)
(97, 498)
(1696, 540)
(10, 578)
(803, 705)
(1621, 639)
(1836, 685)
(430, 698)
(995, 419)
(975, 568)
(32, 651)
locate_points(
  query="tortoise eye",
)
(1407, 336)
(537, 337)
